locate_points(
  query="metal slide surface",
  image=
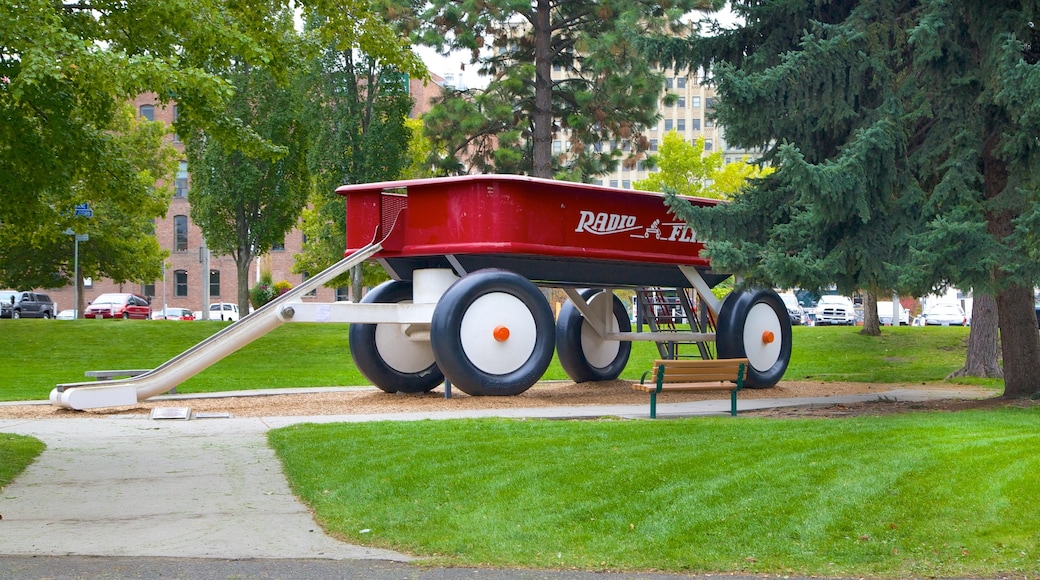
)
(114, 393)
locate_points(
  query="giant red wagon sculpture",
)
(467, 256)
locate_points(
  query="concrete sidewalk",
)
(212, 488)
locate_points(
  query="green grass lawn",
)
(43, 353)
(924, 495)
(16, 453)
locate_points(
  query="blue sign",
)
(83, 210)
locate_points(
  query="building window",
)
(305, 276)
(695, 102)
(343, 294)
(626, 184)
(680, 124)
(180, 283)
(669, 82)
(148, 290)
(708, 145)
(653, 144)
(148, 112)
(613, 183)
(710, 103)
(180, 233)
(709, 123)
(557, 147)
(214, 282)
(180, 188)
(681, 103)
(669, 124)
(680, 82)
(176, 137)
(280, 246)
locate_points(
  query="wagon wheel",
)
(582, 353)
(387, 357)
(492, 333)
(755, 324)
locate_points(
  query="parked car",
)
(794, 309)
(118, 305)
(223, 311)
(944, 314)
(833, 309)
(7, 300)
(172, 313)
(27, 305)
(884, 310)
(66, 315)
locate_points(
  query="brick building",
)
(184, 281)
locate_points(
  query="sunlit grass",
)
(921, 494)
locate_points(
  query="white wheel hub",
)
(762, 337)
(401, 353)
(498, 333)
(599, 352)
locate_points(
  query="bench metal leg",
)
(653, 405)
(733, 403)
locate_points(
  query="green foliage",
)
(905, 141)
(684, 169)
(605, 94)
(920, 495)
(66, 70)
(120, 188)
(16, 453)
(243, 203)
(358, 106)
(266, 290)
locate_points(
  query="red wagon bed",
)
(551, 232)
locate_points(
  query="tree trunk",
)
(871, 320)
(356, 283)
(982, 341)
(1019, 339)
(242, 263)
(541, 138)
(1019, 342)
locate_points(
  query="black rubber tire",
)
(364, 348)
(571, 349)
(766, 368)
(126, 316)
(451, 343)
(16, 314)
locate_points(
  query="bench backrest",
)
(700, 370)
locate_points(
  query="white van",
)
(884, 310)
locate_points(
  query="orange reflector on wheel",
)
(768, 337)
(501, 333)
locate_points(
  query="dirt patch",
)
(546, 394)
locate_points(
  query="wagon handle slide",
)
(130, 391)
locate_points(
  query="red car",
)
(119, 306)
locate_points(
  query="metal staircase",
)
(669, 310)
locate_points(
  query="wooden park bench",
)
(694, 375)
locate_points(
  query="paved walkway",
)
(129, 486)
